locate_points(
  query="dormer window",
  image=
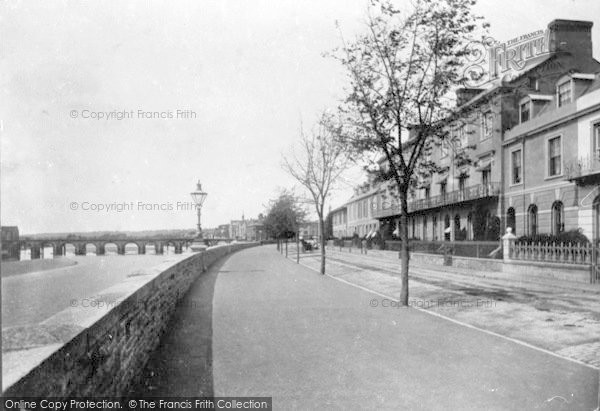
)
(534, 83)
(524, 111)
(563, 92)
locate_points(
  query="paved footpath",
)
(311, 342)
(559, 316)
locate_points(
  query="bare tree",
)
(317, 166)
(402, 73)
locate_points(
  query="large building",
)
(248, 230)
(552, 159)
(530, 140)
(11, 248)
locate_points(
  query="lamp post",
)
(198, 196)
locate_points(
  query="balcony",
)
(586, 170)
(472, 193)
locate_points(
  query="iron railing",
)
(584, 166)
(475, 192)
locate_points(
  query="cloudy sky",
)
(245, 72)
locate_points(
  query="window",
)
(485, 177)
(487, 125)
(424, 228)
(427, 193)
(444, 149)
(462, 182)
(434, 228)
(511, 220)
(532, 220)
(524, 112)
(457, 230)
(534, 83)
(463, 136)
(516, 166)
(447, 228)
(564, 93)
(443, 188)
(558, 218)
(470, 226)
(554, 157)
(596, 139)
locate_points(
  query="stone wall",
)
(105, 348)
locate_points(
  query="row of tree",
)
(402, 73)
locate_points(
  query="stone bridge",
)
(80, 244)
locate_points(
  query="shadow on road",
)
(182, 363)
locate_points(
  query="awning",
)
(448, 230)
(372, 233)
(484, 164)
(396, 232)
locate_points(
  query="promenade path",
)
(257, 324)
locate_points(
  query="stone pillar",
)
(508, 241)
(57, 250)
(158, 248)
(79, 249)
(121, 249)
(35, 251)
(142, 249)
(100, 249)
(178, 248)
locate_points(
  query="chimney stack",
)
(572, 36)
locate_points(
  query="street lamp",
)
(198, 196)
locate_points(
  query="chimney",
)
(572, 36)
(465, 94)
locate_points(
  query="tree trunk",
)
(404, 253)
(322, 240)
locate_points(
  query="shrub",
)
(572, 237)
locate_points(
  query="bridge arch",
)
(70, 248)
(173, 246)
(90, 248)
(129, 244)
(111, 248)
(47, 249)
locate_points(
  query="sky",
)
(110, 112)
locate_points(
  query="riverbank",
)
(10, 268)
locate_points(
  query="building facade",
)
(11, 247)
(339, 222)
(552, 159)
(531, 143)
(309, 229)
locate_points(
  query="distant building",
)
(309, 229)
(223, 231)
(11, 248)
(237, 229)
(339, 222)
(255, 230)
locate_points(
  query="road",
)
(33, 297)
(279, 329)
